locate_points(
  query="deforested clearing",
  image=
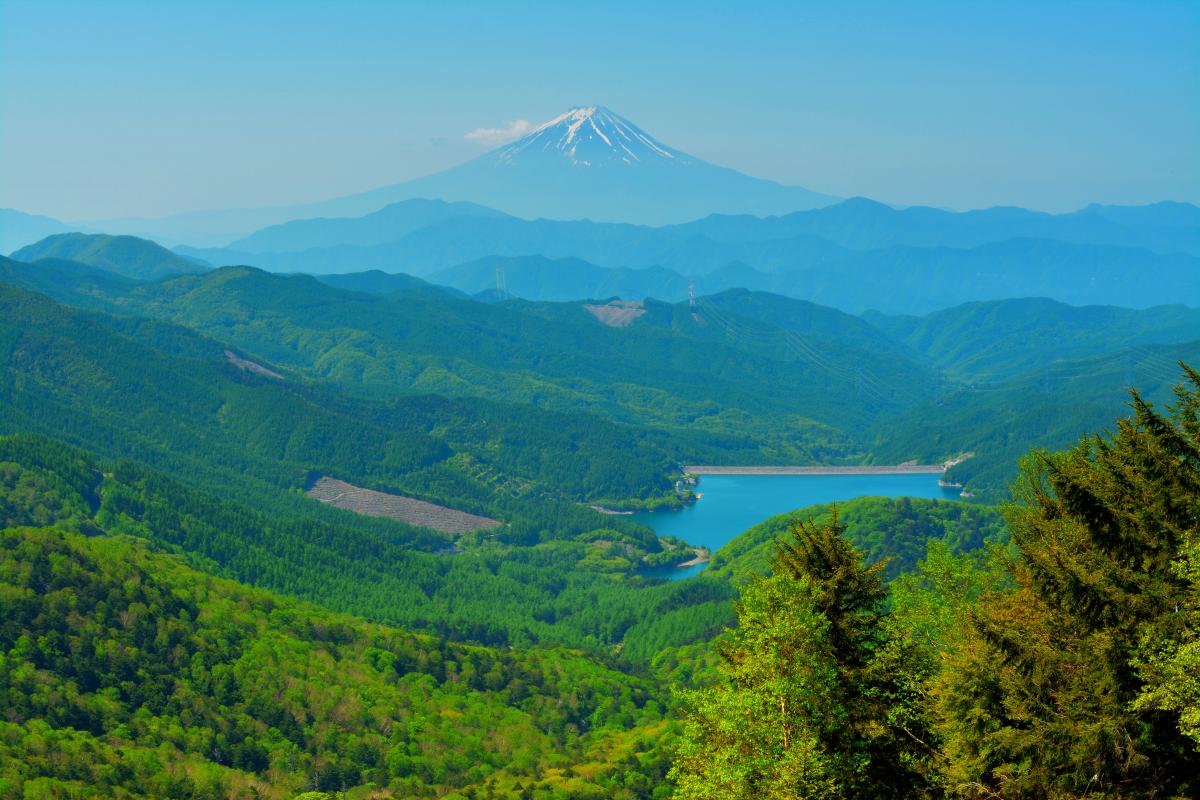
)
(618, 313)
(406, 509)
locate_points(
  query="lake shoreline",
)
(897, 469)
(735, 503)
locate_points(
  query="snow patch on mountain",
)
(591, 136)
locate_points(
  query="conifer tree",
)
(1043, 698)
(1170, 662)
(812, 703)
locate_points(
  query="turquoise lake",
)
(732, 503)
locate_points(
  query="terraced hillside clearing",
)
(250, 366)
(368, 502)
(617, 313)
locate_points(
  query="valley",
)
(364, 438)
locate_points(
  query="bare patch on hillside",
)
(370, 503)
(250, 366)
(618, 313)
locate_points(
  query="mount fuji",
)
(591, 163)
(587, 163)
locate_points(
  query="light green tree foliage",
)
(816, 700)
(1171, 664)
(756, 734)
(1172, 668)
(930, 606)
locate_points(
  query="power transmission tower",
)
(692, 294)
(501, 287)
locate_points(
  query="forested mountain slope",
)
(996, 340)
(1046, 407)
(580, 590)
(125, 255)
(671, 369)
(124, 673)
(68, 282)
(738, 377)
(1064, 667)
(165, 395)
(374, 282)
(893, 530)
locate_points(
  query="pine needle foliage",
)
(1043, 699)
(816, 701)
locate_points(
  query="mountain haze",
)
(18, 229)
(385, 225)
(855, 255)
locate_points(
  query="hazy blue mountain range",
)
(896, 280)
(124, 255)
(461, 239)
(862, 224)
(917, 280)
(419, 229)
(857, 223)
(385, 225)
(541, 278)
(18, 229)
(854, 255)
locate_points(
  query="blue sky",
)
(130, 108)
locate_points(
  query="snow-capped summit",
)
(592, 136)
(592, 163)
(586, 163)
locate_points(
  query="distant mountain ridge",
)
(385, 225)
(855, 255)
(128, 256)
(863, 224)
(18, 229)
(541, 278)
